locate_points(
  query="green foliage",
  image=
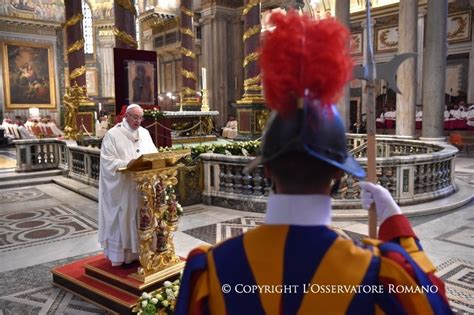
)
(248, 148)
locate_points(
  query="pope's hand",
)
(384, 203)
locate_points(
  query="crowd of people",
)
(456, 116)
(459, 116)
(32, 128)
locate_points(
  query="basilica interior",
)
(68, 70)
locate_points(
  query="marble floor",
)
(47, 225)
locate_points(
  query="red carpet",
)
(74, 278)
(95, 279)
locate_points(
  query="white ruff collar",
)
(298, 209)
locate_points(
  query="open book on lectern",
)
(155, 160)
(142, 163)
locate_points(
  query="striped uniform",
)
(269, 270)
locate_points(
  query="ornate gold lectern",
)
(157, 214)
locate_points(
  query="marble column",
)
(434, 70)
(105, 53)
(221, 46)
(124, 30)
(188, 57)
(343, 16)
(75, 43)
(419, 57)
(406, 75)
(470, 79)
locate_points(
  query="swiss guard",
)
(295, 263)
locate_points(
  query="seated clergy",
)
(230, 129)
(101, 127)
(391, 114)
(454, 113)
(470, 117)
(419, 115)
(381, 119)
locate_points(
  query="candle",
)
(100, 106)
(204, 81)
(95, 115)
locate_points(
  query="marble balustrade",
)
(413, 171)
(36, 154)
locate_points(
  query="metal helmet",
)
(302, 78)
(316, 130)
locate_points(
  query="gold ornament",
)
(77, 72)
(125, 38)
(188, 53)
(252, 31)
(249, 6)
(188, 74)
(73, 20)
(187, 31)
(127, 5)
(186, 11)
(250, 57)
(76, 46)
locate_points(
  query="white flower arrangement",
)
(160, 301)
(153, 113)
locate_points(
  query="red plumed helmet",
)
(300, 55)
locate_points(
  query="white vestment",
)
(470, 118)
(118, 195)
(56, 131)
(419, 115)
(230, 129)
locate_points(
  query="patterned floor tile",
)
(458, 276)
(28, 291)
(22, 194)
(40, 226)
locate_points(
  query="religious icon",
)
(141, 78)
(145, 219)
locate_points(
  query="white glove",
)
(384, 203)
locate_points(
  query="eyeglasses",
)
(136, 117)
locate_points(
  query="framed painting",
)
(459, 27)
(357, 44)
(141, 82)
(28, 75)
(386, 39)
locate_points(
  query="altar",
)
(180, 127)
